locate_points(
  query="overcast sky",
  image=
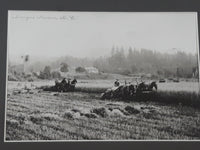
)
(92, 34)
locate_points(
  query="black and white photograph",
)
(102, 76)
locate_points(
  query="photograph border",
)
(53, 5)
(131, 140)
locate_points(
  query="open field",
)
(104, 84)
(39, 115)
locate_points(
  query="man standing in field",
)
(116, 83)
(64, 81)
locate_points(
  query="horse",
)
(146, 87)
(74, 81)
(72, 85)
(62, 86)
(153, 85)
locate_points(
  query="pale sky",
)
(93, 34)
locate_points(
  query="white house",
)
(91, 70)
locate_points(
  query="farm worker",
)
(116, 83)
(56, 82)
(63, 81)
(69, 81)
(125, 82)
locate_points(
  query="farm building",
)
(91, 70)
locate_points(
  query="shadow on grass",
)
(182, 98)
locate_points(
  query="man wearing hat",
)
(116, 83)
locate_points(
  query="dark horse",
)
(72, 85)
(62, 86)
(146, 87)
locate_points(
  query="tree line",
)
(178, 64)
(124, 61)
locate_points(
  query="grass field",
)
(104, 84)
(39, 115)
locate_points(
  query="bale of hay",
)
(36, 119)
(68, 115)
(84, 110)
(25, 91)
(131, 110)
(11, 77)
(15, 92)
(120, 109)
(76, 115)
(50, 116)
(90, 115)
(36, 112)
(12, 122)
(31, 92)
(21, 119)
(72, 115)
(76, 110)
(116, 113)
(103, 112)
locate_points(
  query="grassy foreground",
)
(186, 98)
(178, 97)
(83, 116)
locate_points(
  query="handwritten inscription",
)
(29, 18)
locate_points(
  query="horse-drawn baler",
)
(129, 91)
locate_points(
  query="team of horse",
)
(62, 86)
(130, 90)
(121, 91)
